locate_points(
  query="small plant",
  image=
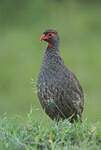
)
(32, 135)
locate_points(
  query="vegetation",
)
(37, 135)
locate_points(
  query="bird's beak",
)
(43, 37)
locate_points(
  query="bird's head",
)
(50, 36)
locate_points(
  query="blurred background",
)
(21, 24)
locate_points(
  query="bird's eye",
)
(49, 34)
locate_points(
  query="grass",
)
(34, 135)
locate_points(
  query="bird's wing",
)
(76, 93)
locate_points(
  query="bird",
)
(59, 91)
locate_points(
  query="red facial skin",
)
(44, 37)
(47, 37)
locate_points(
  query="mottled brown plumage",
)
(59, 91)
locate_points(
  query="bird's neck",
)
(52, 50)
(52, 47)
(51, 55)
(53, 44)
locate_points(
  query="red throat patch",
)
(50, 45)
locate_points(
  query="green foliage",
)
(15, 135)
